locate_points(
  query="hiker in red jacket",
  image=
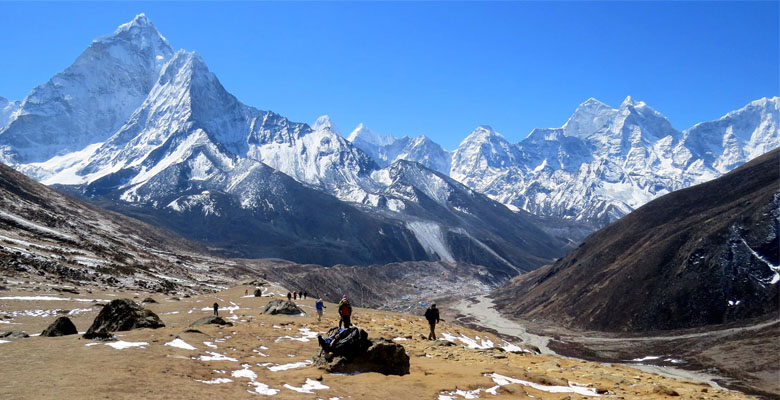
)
(345, 312)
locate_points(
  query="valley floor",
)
(270, 356)
(744, 357)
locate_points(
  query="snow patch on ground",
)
(215, 381)
(211, 356)
(307, 387)
(285, 367)
(178, 343)
(121, 344)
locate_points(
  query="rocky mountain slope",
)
(46, 234)
(699, 256)
(194, 159)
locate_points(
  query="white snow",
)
(476, 343)
(211, 356)
(244, 373)
(121, 344)
(285, 367)
(4, 341)
(646, 358)
(306, 335)
(307, 387)
(215, 381)
(262, 388)
(181, 344)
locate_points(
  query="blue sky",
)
(435, 68)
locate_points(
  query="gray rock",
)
(123, 315)
(382, 356)
(258, 292)
(148, 300)
(211, 320)
(14, 334)
(61, 326)
(282, 307)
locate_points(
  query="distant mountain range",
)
(600, 165)
(151, 132)
(704, 255)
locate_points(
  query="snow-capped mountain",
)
(89, 100)
(387, 149)
(194, 159)
(7, 108)
(604, 162)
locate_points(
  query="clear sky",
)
(435, 68)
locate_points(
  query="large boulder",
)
(61, 326)
(282, 307)
(211, 320)
(123, 315)
(382, 356)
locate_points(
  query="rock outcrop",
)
(211, 320)
(61, 326)
(282, 307)
(123, 315)
(382, 356)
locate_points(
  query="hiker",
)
(289, 296)
(319, 306)
(305, 295)
(246, 292)
(432, 315)
(345, 312)
(295, 295)
(216, 309)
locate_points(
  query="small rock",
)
(148, 300)
(211, 320)
(14, 334)
(282, 307)
(258, 292)
(61, 326)
(664, 390)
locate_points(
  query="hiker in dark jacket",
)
(432, 315)
(216, 310)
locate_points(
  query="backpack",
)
(349, 342)
(345, 309)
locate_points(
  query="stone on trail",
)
(123, 315)
(148, 300)
(282, 307)
(382, 356)
(61, 326)
(258, 292)
(211, 320)
(14, 334)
